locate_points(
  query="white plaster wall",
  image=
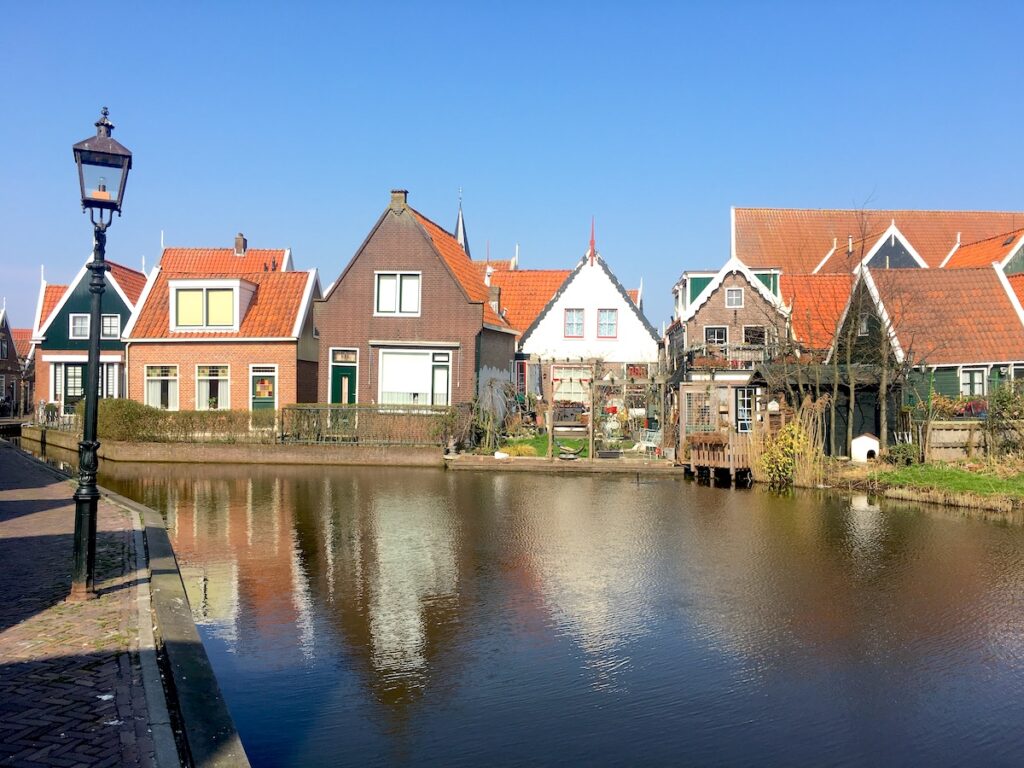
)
(593, 290)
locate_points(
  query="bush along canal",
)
(420, 617)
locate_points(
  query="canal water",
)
(365, 616)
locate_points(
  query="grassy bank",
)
(539, 444)
(976, 480)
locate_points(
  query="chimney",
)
(399, 199)
(494, 297)
(487, 274)
(241, 244)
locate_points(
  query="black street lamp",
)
(103, 166)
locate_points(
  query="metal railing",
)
(411, 425)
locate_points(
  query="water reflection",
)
(420, 617)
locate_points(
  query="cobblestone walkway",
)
(71, 688)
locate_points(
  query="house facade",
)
(224, 329)
(591, 326)
(10, 369)
(409, 321)
(60, 337)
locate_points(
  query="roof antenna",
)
(515, 260)
(143, 263)
(273, 264)
(42, 272)
(592, 247)
(161, 240)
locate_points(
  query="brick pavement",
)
(71, 682)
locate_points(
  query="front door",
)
(343, 384)
(264, 390)
(74, 385)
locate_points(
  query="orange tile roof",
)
(499, 265)
(796, 240)
(951, 316)
(131, 281)
(634, 295)
(51, 297)
(22, 340)
(272, 310)
(461, 266)
(1017, 283)
(984, 252)
(525, 293)
(221, 260)
(816, 302)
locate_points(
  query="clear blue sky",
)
(291, 122)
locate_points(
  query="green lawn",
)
(953, 479)
(540, 444)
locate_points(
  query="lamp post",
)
(103, 166)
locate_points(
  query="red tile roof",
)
(221, 260)
(499, 265)
(272, 311)
(51, 297)
(796, 240)
(131, 281)
(984, 252)
(634, 295)
(951, 316)
(817, 302)
(461, 266)
(22, 340)
(1017, 283)
(525, 292)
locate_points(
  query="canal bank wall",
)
(181, 669)
(246, 453)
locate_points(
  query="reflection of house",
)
(590, 320)
(409, 320)
(61, 335)
(223, 328)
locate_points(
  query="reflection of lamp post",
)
(99, 158)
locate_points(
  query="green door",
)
(343, 384)
(264, 391)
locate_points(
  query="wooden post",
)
(593, 410)
(551, 423)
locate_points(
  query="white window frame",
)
(557, 378)
(615, 323)
(752, 413)
(71, 326)
(716, 343)
(984, 380)
(146, 379)
(204, 285)
(264, 368)
(730, 305)
(117, 334)
(430, 353)
(330, 370)
(228, 380)
(398, 275)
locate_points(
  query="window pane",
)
(410, 294)
(387, 293)
(574, 322)
(607, 322)
(189, 308)
(79, 326)
(753, 335)
(220, 307)
(111, 327)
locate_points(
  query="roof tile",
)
(222, 260)
(22, 340)
(984, 252)
(525, 292)
(51, 298)
(817, 302)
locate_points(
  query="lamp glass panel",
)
(102, 182)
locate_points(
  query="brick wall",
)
(346, 319)
(238, 355)
(755, 311)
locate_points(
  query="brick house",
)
(10, 368)
(223, 329)
(60, 337)
(409, 320)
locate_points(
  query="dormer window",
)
(208, 305)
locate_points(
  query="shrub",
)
(781, 452)
(902, 454)
(520, 449)
(130, 421)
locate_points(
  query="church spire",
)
(460, 228)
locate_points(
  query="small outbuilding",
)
(864, 448)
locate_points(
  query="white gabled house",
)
(590, 319)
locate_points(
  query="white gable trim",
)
(954, 249)
(286, 262)
(126, 333)
(307, 296)
(731, 267)
(998, 267)
(1013, 249)
(824, 261)
(893, 232)
(883, 314)
(63, 300)
(732, 227)
(39, 309)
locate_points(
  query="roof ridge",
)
(957, 211)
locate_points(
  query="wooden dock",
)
(732, 454)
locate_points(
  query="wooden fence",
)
(733, 454)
